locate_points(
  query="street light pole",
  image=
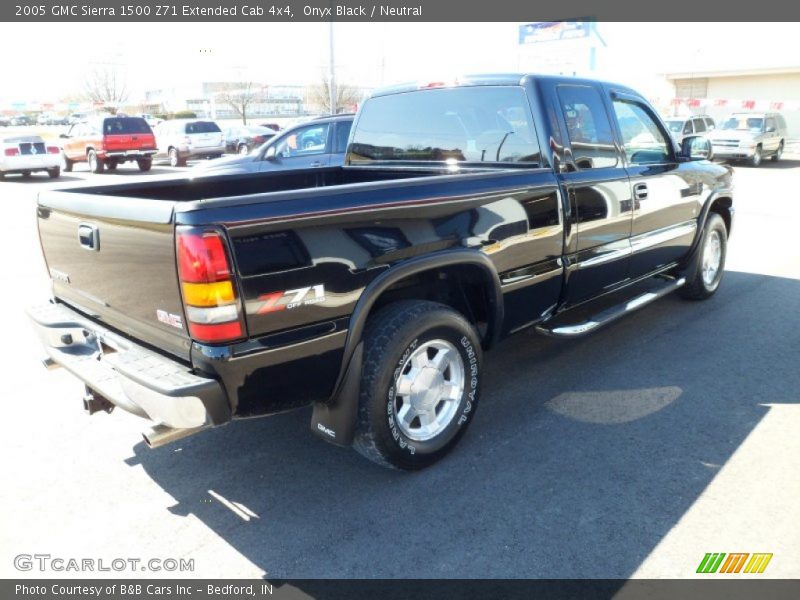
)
(332, 69)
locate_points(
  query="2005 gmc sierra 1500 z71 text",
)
(466, 211)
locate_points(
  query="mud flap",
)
(335, 420)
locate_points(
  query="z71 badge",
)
(275, 301)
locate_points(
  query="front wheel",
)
(755, 160)
(419, 385)
(710, 261)
(66, 164)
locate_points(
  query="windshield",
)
(675, 126)
(741, 123)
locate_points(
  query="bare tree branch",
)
(105, 84)
(319, 95)
(240, 96)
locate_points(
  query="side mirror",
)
(270, 154)
(64, 136)
(770, 130)
(696, 148)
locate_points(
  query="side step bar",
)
(610, 314)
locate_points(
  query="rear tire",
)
(54, 173)
(175, 159)
(243, 149)
(95, 164)
(420, 384)
(144, 164)
(111, 165)
(710, 261)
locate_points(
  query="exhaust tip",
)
(49, 364)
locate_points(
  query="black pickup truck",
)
(466, 211)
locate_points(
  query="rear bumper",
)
(130, 154)
(202, 152)
(128, 375)
(18, 164)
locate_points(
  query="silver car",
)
(682, 127)
(750, 136)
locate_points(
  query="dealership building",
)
(718, 93)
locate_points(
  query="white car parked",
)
(181, 139)
(25, 154)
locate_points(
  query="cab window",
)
(642, 138)
(305, 141)
(588, 127)
(699, 126)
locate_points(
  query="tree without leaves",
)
(240, 96)
(319, 95)
(105, 84)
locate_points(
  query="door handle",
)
(640, 191)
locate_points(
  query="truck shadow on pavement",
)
(582, 457)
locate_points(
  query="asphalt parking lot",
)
(631, 453)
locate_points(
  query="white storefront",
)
(720, 92)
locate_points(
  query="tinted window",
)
(588, 127)
(202, 127)
(473, 124)
(770, 123)
(304, 141)
(675, 126)
(743, 123)
(342, 134)
(642, 139)
(709, 123)
(125, 125)
(688, 127)
(699, 126)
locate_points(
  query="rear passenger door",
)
(665, 192)
(596, 184)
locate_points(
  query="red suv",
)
(105, 142)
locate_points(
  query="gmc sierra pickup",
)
(465, 211)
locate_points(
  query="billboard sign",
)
(551, 31)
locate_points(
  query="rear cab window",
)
(202, 127)
(125, 126)
(480, 124)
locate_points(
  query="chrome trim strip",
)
(650, 239)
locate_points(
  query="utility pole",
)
(332, 69)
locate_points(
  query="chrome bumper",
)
(128, 375)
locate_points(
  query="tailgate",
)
(113, 258)
(124, 142)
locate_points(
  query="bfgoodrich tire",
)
(710, 261)
(420, 384)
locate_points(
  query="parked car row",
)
(743, 136)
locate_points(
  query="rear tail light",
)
(12, 152)
(52, 150)
(213, 310)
